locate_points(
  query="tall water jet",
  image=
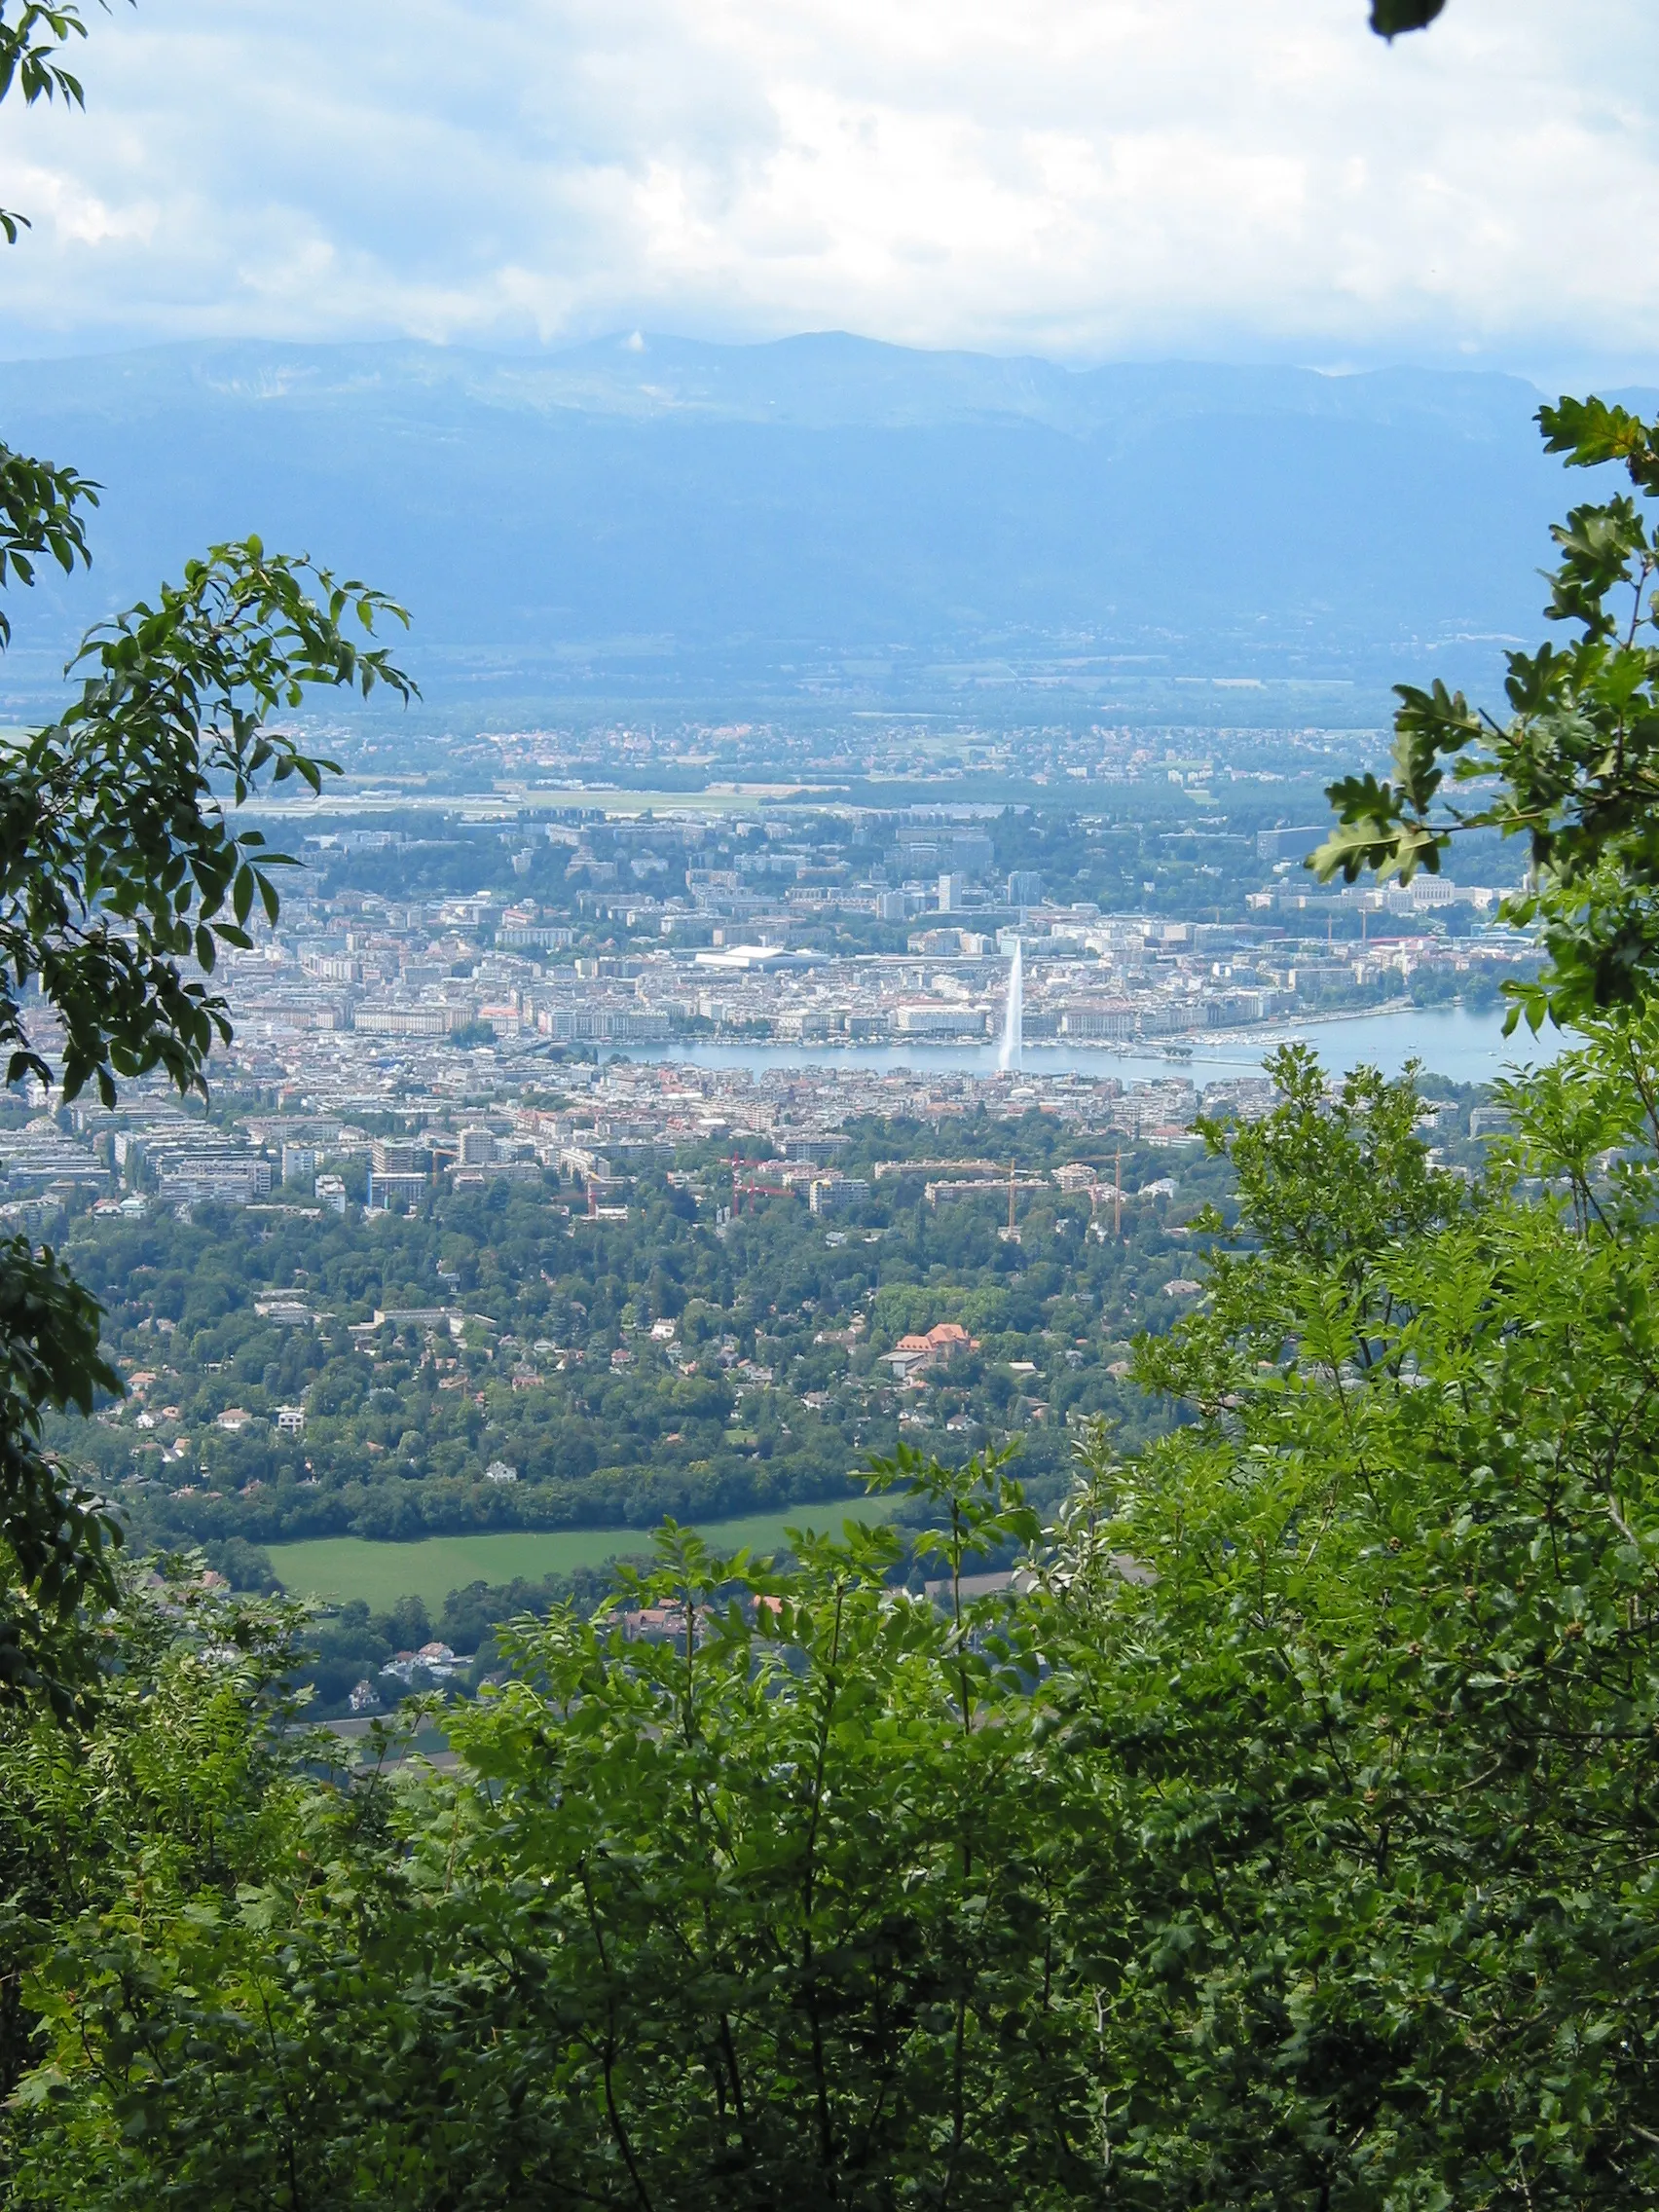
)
(1014, 1020)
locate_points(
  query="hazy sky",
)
(1084, 178)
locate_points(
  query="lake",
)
(1454, 1041)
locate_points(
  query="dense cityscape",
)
(428, 980)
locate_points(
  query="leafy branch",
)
(121, 872)
(38, 514)
(1574, 769)
(30, 46)
(60, 1539)
(1389, 17)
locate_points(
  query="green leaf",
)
(1389, 17)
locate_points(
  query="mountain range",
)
(827, 520)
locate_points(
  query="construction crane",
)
(751, 1187)
(1010, 1234)
(1116, 1195)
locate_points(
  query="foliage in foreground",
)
(1573, 772)
(1288, 1842)
(1382, 1730)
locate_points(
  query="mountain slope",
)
(660, 517)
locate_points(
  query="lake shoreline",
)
(1452, 1043)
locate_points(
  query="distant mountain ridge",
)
(822, 381)
(825, 517)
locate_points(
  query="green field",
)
(349, 1566)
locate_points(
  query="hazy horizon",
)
(101, 347)
(1262, 181)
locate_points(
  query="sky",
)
(1089, 180)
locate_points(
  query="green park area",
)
(345, 1568)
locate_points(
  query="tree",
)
(755, 1890)
(1389, 17)
(1368, 1721)
(30, 46)
(1573, 771)
(121, 874)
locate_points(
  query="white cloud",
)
(1089, 180)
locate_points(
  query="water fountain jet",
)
(1013, 1019)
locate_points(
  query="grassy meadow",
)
(342, 1568)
